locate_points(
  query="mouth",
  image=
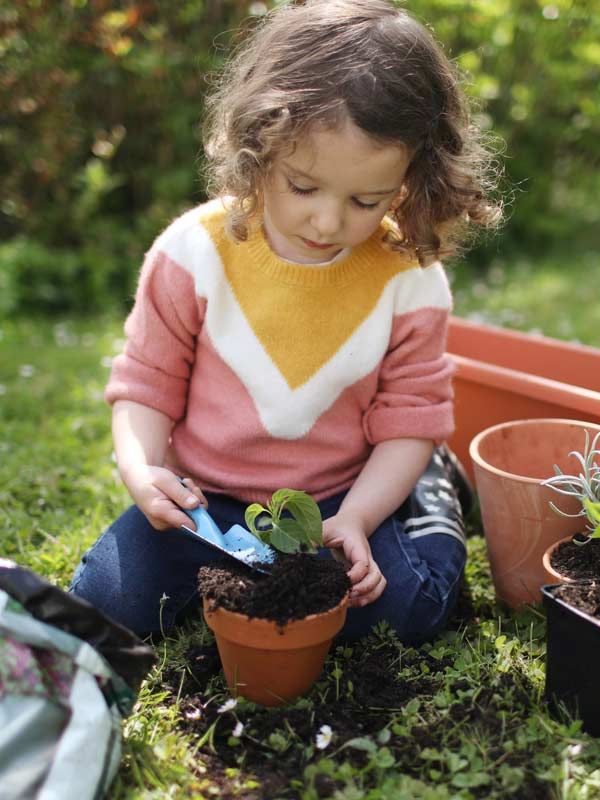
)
(316, 245)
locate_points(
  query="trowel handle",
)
(206, 527)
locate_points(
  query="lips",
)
(316, 245)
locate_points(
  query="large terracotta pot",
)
(510, 461)
(504, 375)
(269, 664)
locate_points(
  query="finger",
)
(167, 515)
(369, 582)
(177, 491)
(364, 600)
(196, 490)
(358, 571)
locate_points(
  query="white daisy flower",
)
(238, 730)
(228, 705)
(324, 737)
(194, 713)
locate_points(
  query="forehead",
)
(346, 157)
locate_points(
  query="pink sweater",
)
(278, 374)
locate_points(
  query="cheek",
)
(365, 226)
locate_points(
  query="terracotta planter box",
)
(504, 375)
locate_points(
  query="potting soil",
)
(578, 562)
(585, 597)
(297, 586)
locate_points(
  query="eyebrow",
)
(298, 173)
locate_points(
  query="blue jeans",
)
(132, 566)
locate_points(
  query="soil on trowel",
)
(578, 562)
(298, 585)
(585, 597)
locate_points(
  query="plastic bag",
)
(68, 676)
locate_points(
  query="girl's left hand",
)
(349, 543)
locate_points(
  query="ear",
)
(399, 198)
(397, 201)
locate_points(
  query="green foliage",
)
(302, 529)
(585, 486)
(100, 144)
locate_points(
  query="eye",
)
(366, 206)
(297, 190)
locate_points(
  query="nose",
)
(327, 220)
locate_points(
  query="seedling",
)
(585, 486)
(300, 530)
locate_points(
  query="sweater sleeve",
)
(155, 365)
(414, 391)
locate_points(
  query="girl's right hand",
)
(158, 492)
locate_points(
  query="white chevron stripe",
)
(436, 529)
(286, 413)
(417, 522)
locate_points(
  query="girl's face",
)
(331, 193)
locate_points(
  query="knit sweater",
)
(278, 374)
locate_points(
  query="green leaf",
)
(252, 512)
(286, 536)
(306, 511)
(362, 743)
(470, 779)
(592, 510)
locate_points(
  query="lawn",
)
(462, 717)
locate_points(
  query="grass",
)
(462, 717)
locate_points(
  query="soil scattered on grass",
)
(585, 597)
(298, 585)
(578, 562)
(376, 680)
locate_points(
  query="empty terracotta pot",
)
(269, 664)
(510, 460)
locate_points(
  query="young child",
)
(291, 332)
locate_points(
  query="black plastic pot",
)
(572, 658)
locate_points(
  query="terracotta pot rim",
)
(547, 559)
(481, 462)
(550, 569)
(270, 623)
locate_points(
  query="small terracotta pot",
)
(269, 664)
(504, 375)
(510, 462)
(554, 575)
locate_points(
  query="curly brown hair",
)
(323, 61)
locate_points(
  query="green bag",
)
(61, 701)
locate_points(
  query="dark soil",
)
(298, 585)
(372, 684)
(585, 596)
(578, 562)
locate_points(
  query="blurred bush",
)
(101, 104)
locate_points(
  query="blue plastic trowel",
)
(237, 542)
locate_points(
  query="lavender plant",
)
(585, 486)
